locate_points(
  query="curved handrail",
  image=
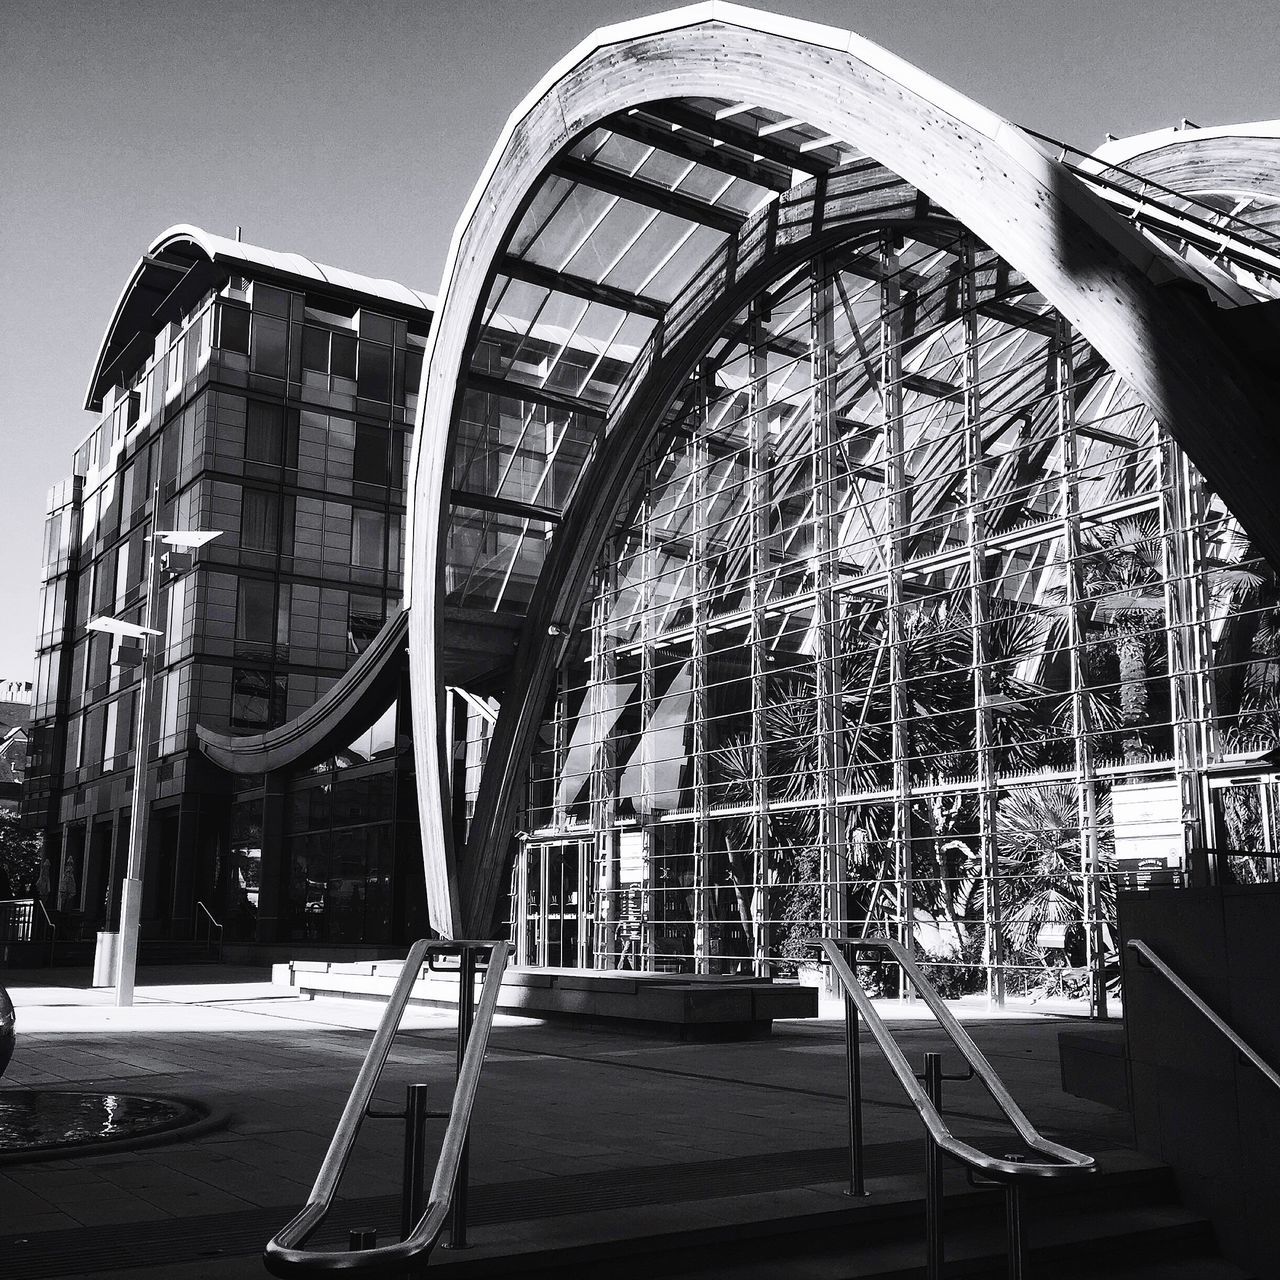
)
(1065, 1161)
(285, 1254)
(1144, 952)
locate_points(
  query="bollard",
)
(358, 1240)
(413, 1193)
(933, 1173)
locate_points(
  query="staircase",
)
(1124, 1223)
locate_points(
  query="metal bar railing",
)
(209, 927)
(285, 1254)
(1145, 953)
(1009, 1171)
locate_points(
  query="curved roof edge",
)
(152, 281)
(328, 723)
(1121, 150)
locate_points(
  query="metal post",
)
(897, 486)
(466, 1014)
(758, 488)
(357, 1241)
(853, 1062)
(933, 1173)
(1017, 1241)
(140, 812)
(413, 1196)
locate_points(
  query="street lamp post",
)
(173, 563)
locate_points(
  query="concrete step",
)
(1122, 1223)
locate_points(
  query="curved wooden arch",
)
(1087, 261)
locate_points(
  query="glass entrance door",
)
(552, 908)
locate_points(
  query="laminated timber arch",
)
(1129, 299)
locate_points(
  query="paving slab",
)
(557, 1100)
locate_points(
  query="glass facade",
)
(919, 624)
(278, 414)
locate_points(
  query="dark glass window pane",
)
(342, 358)
(412, 370)
(368, 535)
(233, 329)
(364, 621)
(270, 346)
(375, 371)
(259, 520)
(255, 611)
(257, 699)
(370, 464)
(264, 432)
(315, 349)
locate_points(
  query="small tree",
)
(20, 852)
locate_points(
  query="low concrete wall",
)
(686, 1006)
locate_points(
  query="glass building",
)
(271, 400)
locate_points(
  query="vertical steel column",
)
(1181, 572)
(983, 733)
(560, 752)
(604, 790)
(758, 515)
(648, 595)
(895, 532)
(1061, 353)
(699, 461)
(829, 684)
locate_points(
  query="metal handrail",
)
(285, 1254)
(1144, 952)
(212, 925)
(53, 928)
(1065, 1160)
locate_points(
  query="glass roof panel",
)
(589, 233)
(550, 196)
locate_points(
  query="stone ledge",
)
(687, 1006)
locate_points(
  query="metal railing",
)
(205, 917)
(421, 1223)
(20, 921)
(1009, 1171)
(1148, 957)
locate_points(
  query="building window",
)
(233, 329)
(270, 346)
(374, 382)
(259, 520)
(262, 613)
(315, 349)
(370, 463)
(364, 621)
(258, 699)
(368, 539)
(342, 355)
(264, 432)
(412, 373)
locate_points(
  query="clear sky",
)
(351, 131)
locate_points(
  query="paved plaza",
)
(571, 1119)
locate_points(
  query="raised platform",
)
(686, 1006)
